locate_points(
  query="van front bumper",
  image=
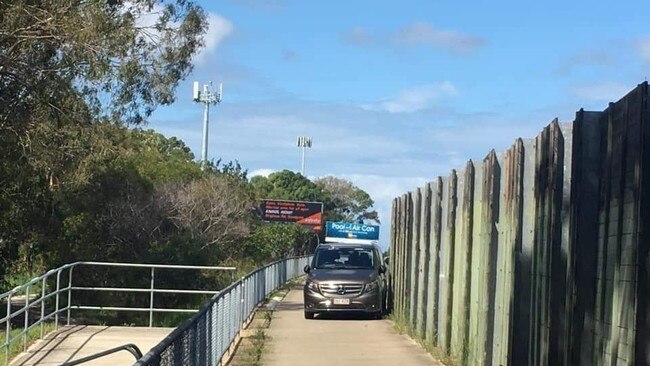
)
(366, 302)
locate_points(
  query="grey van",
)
(345, 278)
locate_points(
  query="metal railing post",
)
(26, 318)
(69, 293)
(242, 305)
(56, 306)
(42, 306)
(153, 275)
(8, 334)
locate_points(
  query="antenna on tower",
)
(195, 92)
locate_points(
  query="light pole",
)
(304, 142)
(207, 97)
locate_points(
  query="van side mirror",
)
(307, 269)
(382, 269)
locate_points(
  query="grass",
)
(284, 289)
(268, 316)
(258, 341)
(17, 346)
(402, 326)
(253, 352)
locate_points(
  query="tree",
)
(160, 159)
(272, 241)
(66, 68)
(287, 185)
(214, 209)
(348, 202)
(117, 59)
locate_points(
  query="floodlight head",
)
(195, 91)
(304, 141)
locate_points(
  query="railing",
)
(205, 337)
(30, 300)
(131, 348)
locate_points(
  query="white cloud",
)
(265, 172)
(415, 99)
(428, 35)
(218, 29)
(601, 92)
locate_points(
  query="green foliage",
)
(18, 345)
(79, 182)
(271, 241)
(116, 59)
(342, 200)
(347, 202)
(287, 185)
(230, 169)
(65, 174)
(160, 159)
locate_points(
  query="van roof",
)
(346, 245)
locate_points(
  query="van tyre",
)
(309, 315)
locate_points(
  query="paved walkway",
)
(73, 342)
(336, 340)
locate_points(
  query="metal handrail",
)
(59, 292)
(131, 348)
(205, 337)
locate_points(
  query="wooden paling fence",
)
(536, 256)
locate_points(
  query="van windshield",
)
(344, 258)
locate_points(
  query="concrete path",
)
(74, 342)
(336, 340)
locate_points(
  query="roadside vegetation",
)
(17, 347)
(402, 326)
(254, 342)
(81, 178)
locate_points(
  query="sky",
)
(396, 93)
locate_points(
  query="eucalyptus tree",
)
(66, 66)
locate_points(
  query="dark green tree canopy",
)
(116, 59)
(342, 200)
(348, 202)
(287, 185)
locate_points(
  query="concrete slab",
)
(74, 342)
(336, 340)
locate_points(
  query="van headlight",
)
(372, 286)
(312, 285)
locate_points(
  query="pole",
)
(302, 169)
(153, 276)
(204, 149)
(207, 97)
(69, 294)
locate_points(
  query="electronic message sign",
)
(304, 213)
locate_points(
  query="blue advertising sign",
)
(349, 232)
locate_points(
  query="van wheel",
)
(309, 315)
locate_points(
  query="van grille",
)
(341, 289)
